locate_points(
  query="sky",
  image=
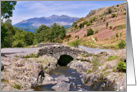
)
(30, 9)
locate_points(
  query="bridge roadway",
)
(11, 52)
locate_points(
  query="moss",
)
(89, 71)
(4, 80)
(16, 56)
(121, 66)
(16, 86)
(95, 61)
(112, 58)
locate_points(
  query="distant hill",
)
(108, 26)
(33, 23)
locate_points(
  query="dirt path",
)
(11, 52)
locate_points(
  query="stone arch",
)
(64, 60)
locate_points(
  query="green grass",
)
(16, 56)
(112, 58)
(95, 61)
(75, 43)
(119, 27)
(30, 56)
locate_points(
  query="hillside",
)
(108, 25)
(33, 23)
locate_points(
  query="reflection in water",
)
(74, 79)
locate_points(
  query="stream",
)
(74, 79)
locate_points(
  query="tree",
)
(3, 33)
(7, 7)
(29, 36)
(19, 39)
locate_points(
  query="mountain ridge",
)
(35, 22)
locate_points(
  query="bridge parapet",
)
(60, 49)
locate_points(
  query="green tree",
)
(19, 39)
(3, 33)
(7, 7)
(29, 36)
(8, 39)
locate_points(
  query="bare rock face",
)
(21, 73)
(61, 86)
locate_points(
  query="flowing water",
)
(74, 79)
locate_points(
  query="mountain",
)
(34, 23)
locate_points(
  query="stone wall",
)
(57, 50)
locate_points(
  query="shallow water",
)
(74, 79)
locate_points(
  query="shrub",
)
(90, 32)
(121, 44)
(81, 25)
(104, 20)
(101, 18)
(110, 11)
(121, 66)
(94, 18)
(120, 34)
(111, 58)
(91, 21)
(67, 36)
(96, 38)
(107, 25)
(88, 24)
(74, 24)
(85, 22)
(113, 15)
(110, 27)
(117, 35)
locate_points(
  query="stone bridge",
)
(58, 50)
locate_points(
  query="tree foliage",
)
(14, 37)
(7, 7)
(51, 34)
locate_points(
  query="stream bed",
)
(73, 76)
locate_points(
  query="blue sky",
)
(29, 9)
